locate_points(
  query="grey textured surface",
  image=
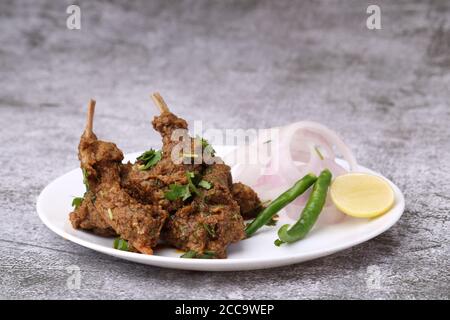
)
(233, 64)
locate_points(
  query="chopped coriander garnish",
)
(85, 178)
(149, 159)
(206, 146)
(205, 184)
(76, 202)
(184, 192)
(190, 176)
(191, 254)
(177, 191)
(120, 244)
(206, 255)
(209, 229)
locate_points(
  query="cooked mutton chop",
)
(109, 206)
(149, 186)
(208, 221)
(86, 217)
(211, 221)
(90, 151)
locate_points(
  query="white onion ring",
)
(297, 156)
(292, 172)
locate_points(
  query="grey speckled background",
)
(234, 64)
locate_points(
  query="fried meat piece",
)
(108, 204)
(150, 185)
(86, 216)
(212, 221)
(206, 222)
(247, 199)
(139, 224)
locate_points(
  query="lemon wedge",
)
(362, 195)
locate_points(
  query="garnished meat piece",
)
(149, 186)
(211, 221)
(91, 152)
(87, 218)
(108, 203)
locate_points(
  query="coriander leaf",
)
(149, 159)
(177, 191)
(147, 155)
(187, 193)
(189, 255)
(190, 176)
(205, 184)
(174, 192)
(85, 178)
(206, 146)
(183, 192)
(206, 255)
(76, 202)
(209, 229)
(121, 244)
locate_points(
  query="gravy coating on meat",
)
(86, 216)
(150, 185)
(107, 206)
(248, 200)
(208, 221)
(211, 221)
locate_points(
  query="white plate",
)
(257, 252)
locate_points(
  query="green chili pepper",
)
(279, 203)
(309, 214)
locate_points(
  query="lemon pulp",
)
(362, 195)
